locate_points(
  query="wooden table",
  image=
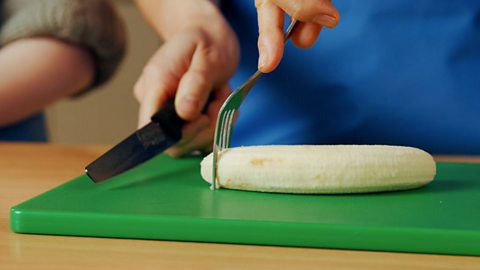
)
(30, 169)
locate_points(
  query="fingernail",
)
(189, 105)
(263, 57)
(326, 20)
(262, 61)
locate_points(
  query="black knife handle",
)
(168, 118)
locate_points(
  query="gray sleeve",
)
(93, 24)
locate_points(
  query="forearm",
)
(37, 71)
(169, 17)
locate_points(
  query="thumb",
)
(270, 39)
(195, 86)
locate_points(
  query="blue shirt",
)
(32, 129)
(392, 72)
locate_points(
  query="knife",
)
(163, 131)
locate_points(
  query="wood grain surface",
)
(27, 170)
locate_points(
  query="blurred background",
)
(108, 114)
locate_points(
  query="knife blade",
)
(163, 131)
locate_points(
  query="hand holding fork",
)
(224, 127)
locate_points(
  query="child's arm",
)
(37, 71)
(55, 48)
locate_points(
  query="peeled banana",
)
(321, 168)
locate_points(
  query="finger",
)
(161, 76)
(193, 128)
(198, 136)
(138, 89)
(306, 34)
(151, 102)
(270, 39)
(220, 95)
(159, 85)
(190, 134)
(204, 139)
(195, 86)
(318, 11)
(201, 141)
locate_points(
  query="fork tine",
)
(217, 144)
(225, 128)
(230, 127)
(221, 142)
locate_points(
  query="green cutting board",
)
(167, 199)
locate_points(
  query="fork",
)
(224, 126)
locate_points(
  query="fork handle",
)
(289, 32)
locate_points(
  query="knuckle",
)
(213, 55)
(296, 11)
(137, 91)
(304, 10)
(151, 70)
(259, 4)
(201, 81)
(202, 37)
